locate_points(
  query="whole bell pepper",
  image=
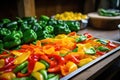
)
(4, 32)
(29, 36)
(11, 25)
(73, 25)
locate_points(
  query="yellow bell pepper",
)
(8, 75)
(37, 76)
(38, 66)
(16, 53)
(48, 49)
(22, 58)
(68, 68)
(2, 63)
(84, 61)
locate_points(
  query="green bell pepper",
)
(73, 25)
(62, 29)
(24, 70)
(44, 18)
(11, 25)
(29, 36)
(45, 63)
(20, 67)
(102, 41)
(90, 51)
(51, 77)
(6, 20)
(12, 43)
(44, 73)
(81, 38)
(49, 29)
(4, 32)
(103, 48)
(24, 78)
(13, 35)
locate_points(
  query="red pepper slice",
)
(88, 35)
(59, 60)
(72, 58)
(72, 34)
(111, 45)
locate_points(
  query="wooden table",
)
(96, 69)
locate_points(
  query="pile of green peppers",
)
(108, 12)
(30, 29)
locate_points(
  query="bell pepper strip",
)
(103, 48)
(24, 70)
(31, 63)
(22, 58)
(111, 45)
(102, 41)
(7, 76)
(88, 35)
(37, 75)
(44, 73)
(72, 34)
(56, 77)
(38, 66)
(90, 51)
(20, 67)
(8, 62)
(60, 61)
(84, 61)
(81, 38)
(68, 68)
(45, 63)
(23, 78)
(100, 53)
(71, 57)
(51, 62)
(2, 63)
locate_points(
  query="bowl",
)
(103, 22)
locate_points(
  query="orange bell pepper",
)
(68, 68)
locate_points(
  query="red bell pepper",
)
(60, 61)
(88, 35)
(8, 62)
(111, 45)
(31, 63)
(72, 58)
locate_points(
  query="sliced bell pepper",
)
(44, 73)
(21, 66)
(8, 76)
(37, 75)
(38, 66)
(22, 58)
(68, 68)
(73, 58)
(84, 61)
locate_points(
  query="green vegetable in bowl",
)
(108, 12)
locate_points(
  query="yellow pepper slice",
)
(2, 63)
(68, 68)
(39, 66)
(37, 75)
(84, 61)
(8, 75)
(22, 58)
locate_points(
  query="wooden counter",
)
(95, 70)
